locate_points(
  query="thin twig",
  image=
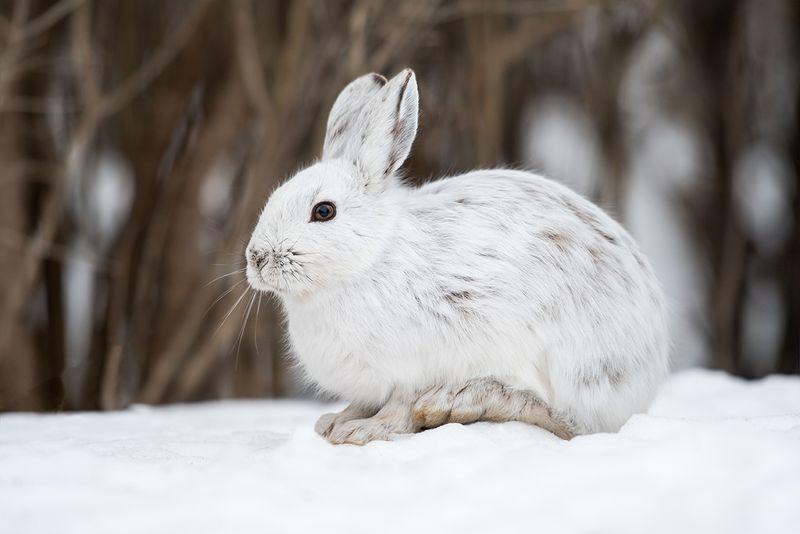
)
(96, 107)
(13, 49)
(51, 17)
(249, 60)
(54, 205)
(164, 55)
(534, 8)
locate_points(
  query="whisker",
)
(241, 331)
(223, 296)
(255, 331)
(302, 253)
(224, 276)
(231, 311)
(239, 263)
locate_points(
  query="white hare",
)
(495, 295)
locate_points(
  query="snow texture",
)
(714, 454)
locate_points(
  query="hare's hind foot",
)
(486, 399)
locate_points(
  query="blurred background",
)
(140, 138)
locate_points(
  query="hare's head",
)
(332, 220)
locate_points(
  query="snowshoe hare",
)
(496, 295)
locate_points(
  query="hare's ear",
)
(389, 125)
(343, 122)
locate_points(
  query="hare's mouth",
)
(278, 271)
(258, 281)
(269, 279)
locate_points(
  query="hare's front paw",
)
(326, 423)
(393, 419)
(362, 431)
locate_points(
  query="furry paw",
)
(326, 422)
(485, 399)
(433, 408)
(443, 405)
(362, 431)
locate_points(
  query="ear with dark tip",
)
(389, 127)
(343, 124)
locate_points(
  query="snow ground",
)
(715, 454)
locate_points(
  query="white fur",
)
(495, 273)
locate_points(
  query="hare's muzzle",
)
(256, 257)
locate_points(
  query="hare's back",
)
(524, 238)
(513, 208)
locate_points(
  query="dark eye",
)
(324, 211)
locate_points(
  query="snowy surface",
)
(715, 454)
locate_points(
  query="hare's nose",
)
(256, 257)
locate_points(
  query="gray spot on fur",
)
(462, 302)
(339, 130)
(615, 376)
(589, 219)
(606, 374)
(458, 297)
(559, 239)
(608, 237)
(597, 255)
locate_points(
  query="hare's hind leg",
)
(486, 399)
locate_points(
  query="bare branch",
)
(54, 205)
(249, 60)
(13, 49)
(147, 73)
(82, 57)
(533, 8)
(51, 17)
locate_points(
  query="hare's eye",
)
(324, 211)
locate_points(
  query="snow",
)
(714, 454)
